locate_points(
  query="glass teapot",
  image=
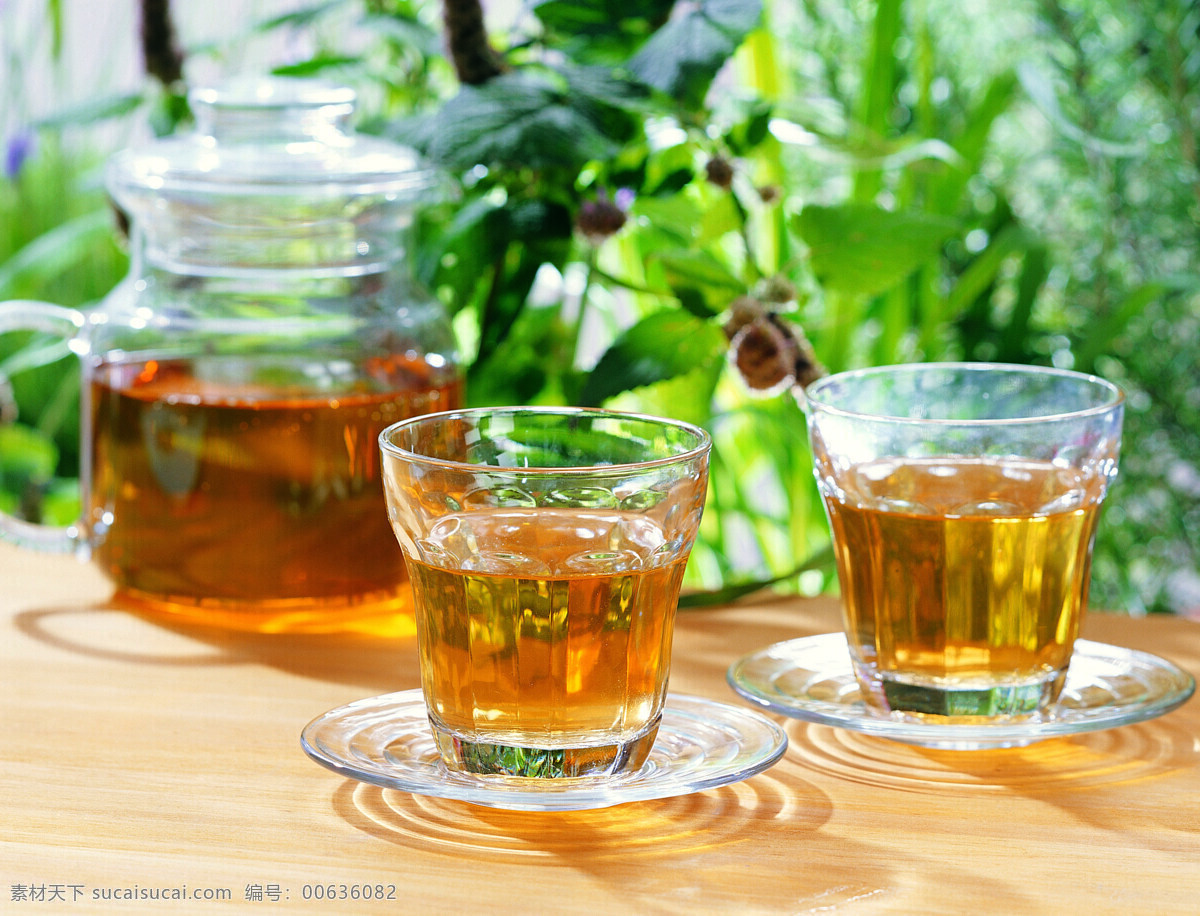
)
(234, 383)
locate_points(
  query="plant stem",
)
(590, 273)
(475, 61)
(160, 49)
(819, 560)
(614, 280)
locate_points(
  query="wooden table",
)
(139, 755)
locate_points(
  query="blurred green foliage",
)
(664, 205)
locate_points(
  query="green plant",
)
(692, 292)
(56, 244)
(1121, 201)
(691, 208)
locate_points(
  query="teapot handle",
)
(30, 315)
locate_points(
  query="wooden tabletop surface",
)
(144, 759)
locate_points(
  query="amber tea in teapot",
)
(236, 495)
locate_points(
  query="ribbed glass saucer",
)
(701, 744)
(812, 679)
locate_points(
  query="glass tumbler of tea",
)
(546, 548)
(235, 382)
(963, 500)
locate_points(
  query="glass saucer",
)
(701, 744)
(812, 679)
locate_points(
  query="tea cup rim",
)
(811, 399)
(703, 441)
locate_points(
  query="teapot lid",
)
(269, 157)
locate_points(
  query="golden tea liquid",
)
(549, 654)
(963, 580)
(238, 495)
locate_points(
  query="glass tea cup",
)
(963, 500)
(546, 548)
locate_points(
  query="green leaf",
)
(533, 242)
(615, 104)
(587, 17)
(682, 57)
(54, 8)
(61, 502)
(606, 32)
(673, 182)
(670, 214)
(25, 456)
(879, 81)
(982, 271)
(298, 18)
(92, 111)
(318, 64)
(522, 118)
(34, 354)
(408, 33)
(661, 346)
(721, 217)
(56, 251)
(698, 279)
(753, 128)
(688, 397)
(863, 250)
(452, 255)
(1042, 93)
(971, 143)
(822, 559)
(1101, 333)
(1014, 342)
(531, 219)
(515, 376)
(169, 110)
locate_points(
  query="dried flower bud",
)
(769, 193)
(600, 218)
(777, 289)
(719, 172)
(764, 354)
(807, 368)
(742, 311)
(771, 355)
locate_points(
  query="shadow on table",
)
(1118, 756)
(125, 634)
(1089, 776)
(374, 652)
(650, 852)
